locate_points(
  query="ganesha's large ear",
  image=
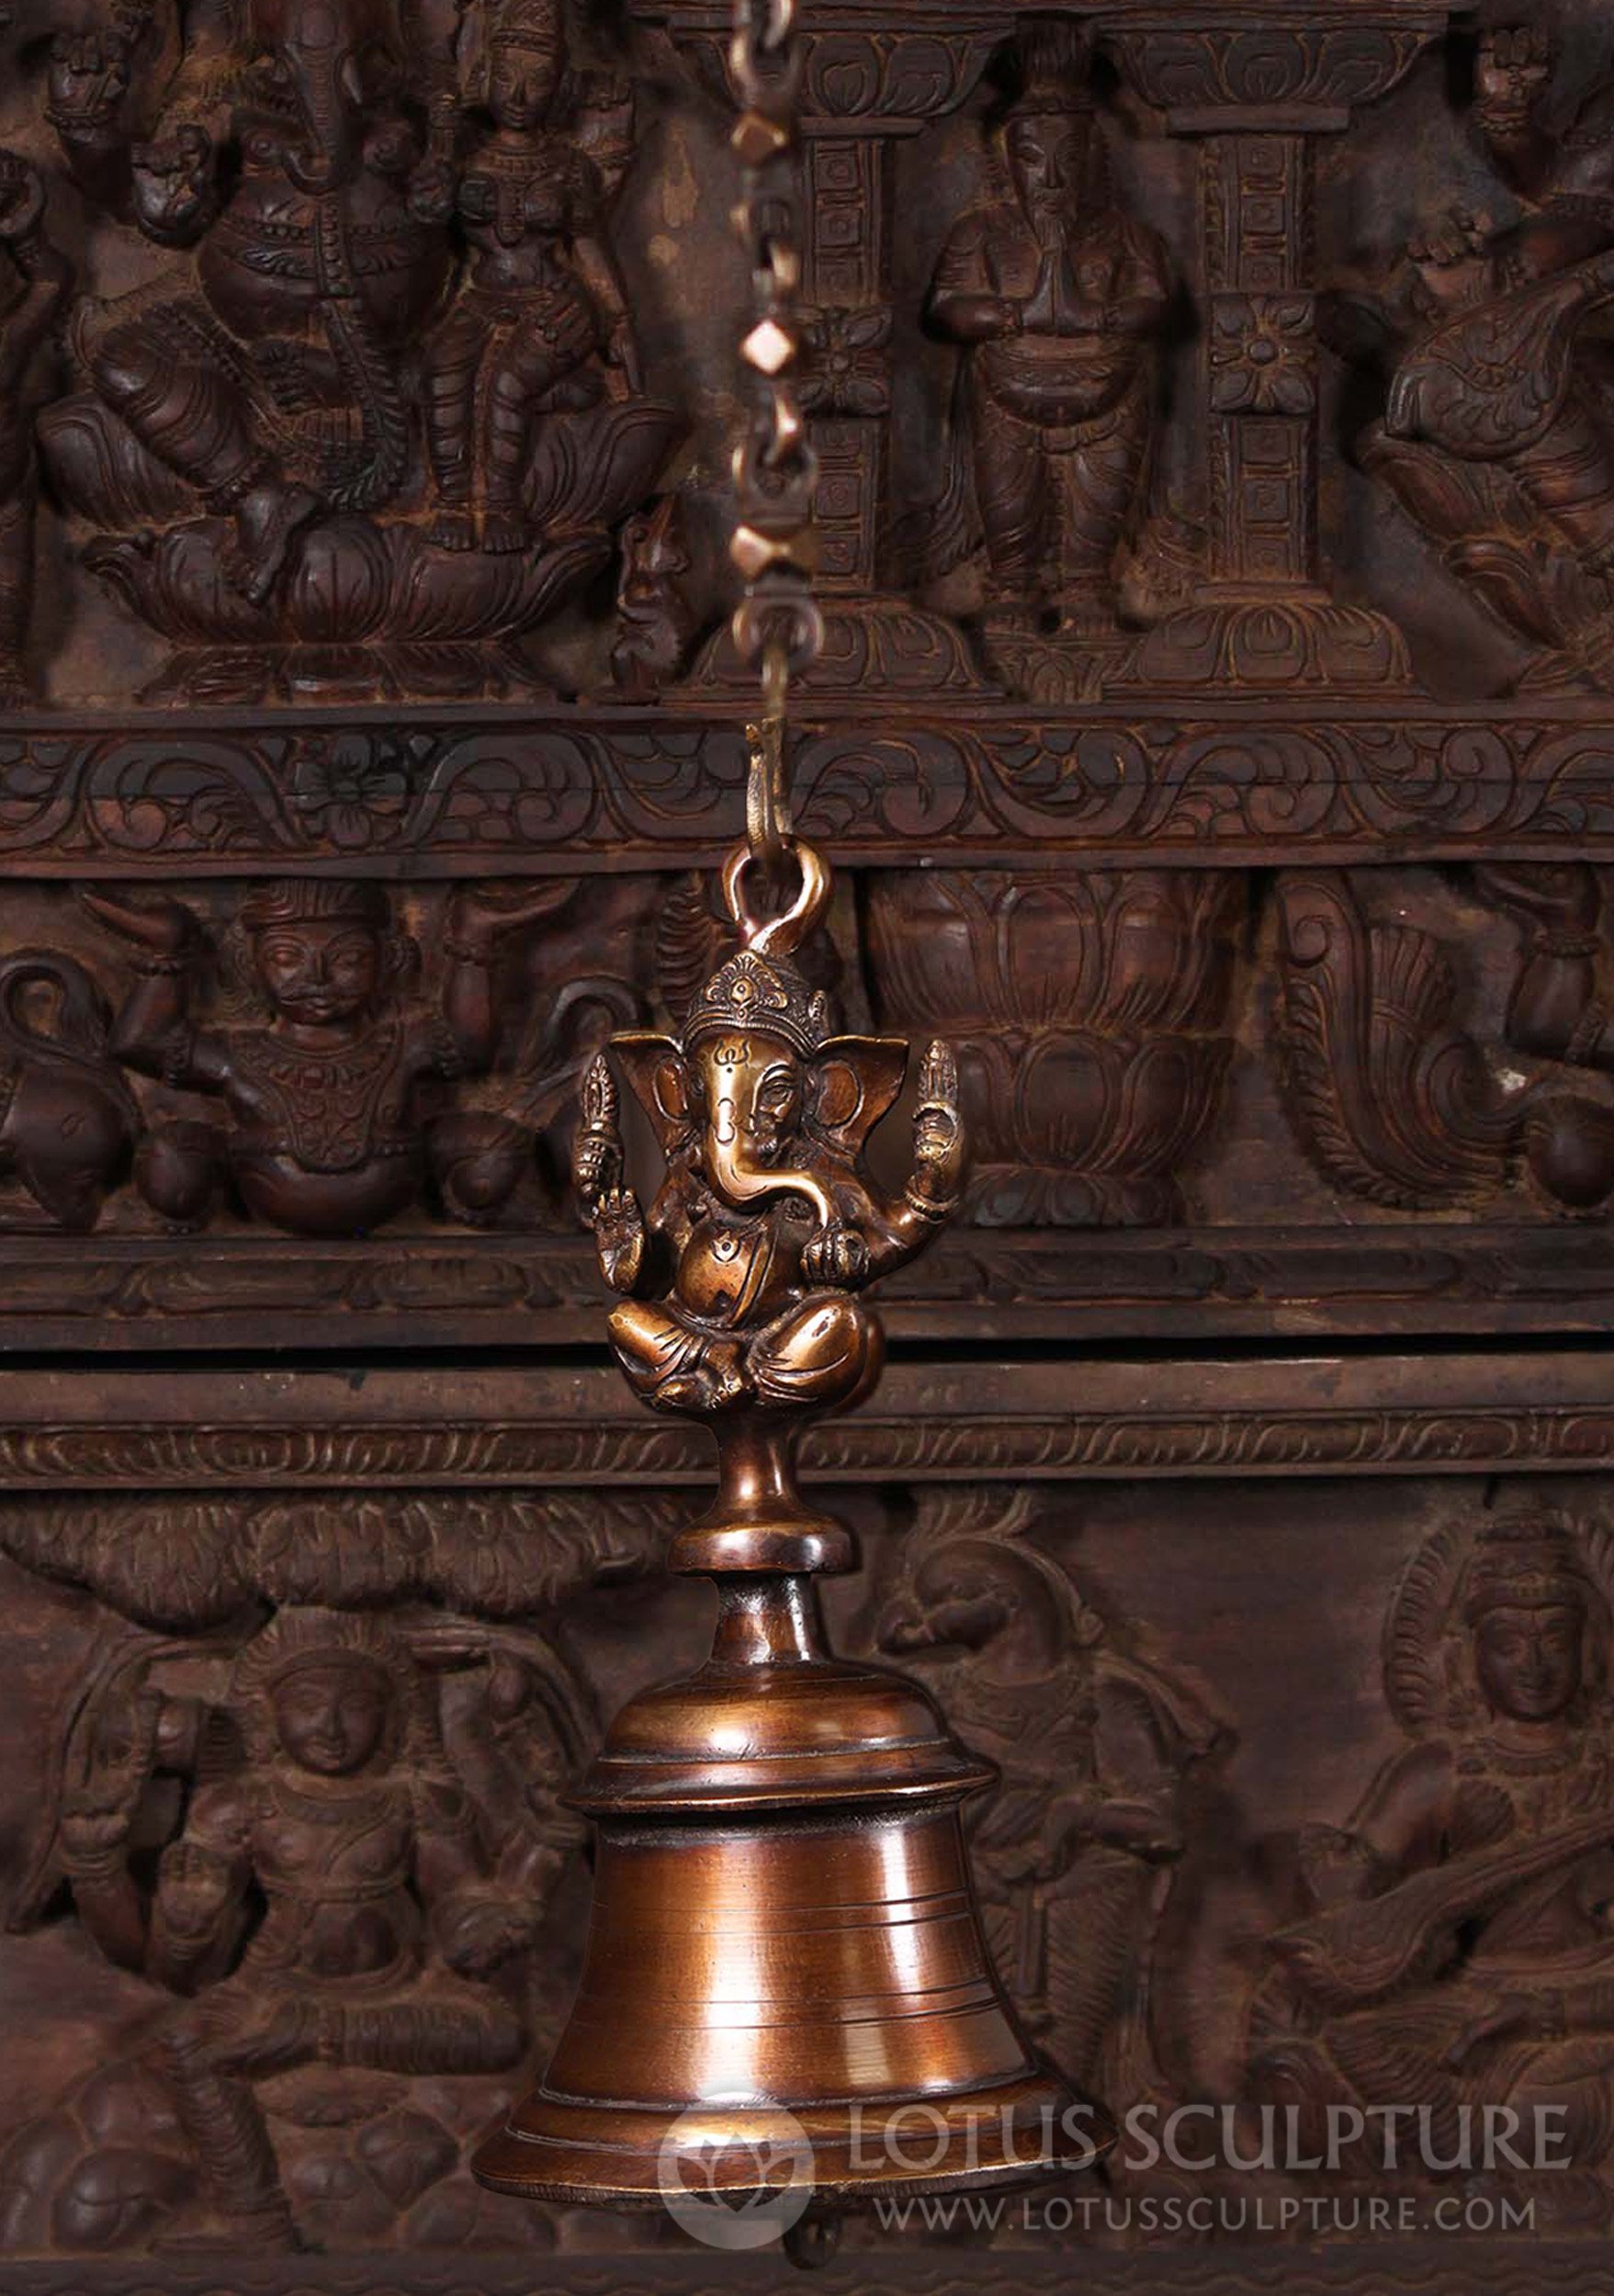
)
(655, 1068)
(854, 1081)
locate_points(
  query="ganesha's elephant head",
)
(759, 1094)
(336, 60)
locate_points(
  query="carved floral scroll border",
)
(459, 792)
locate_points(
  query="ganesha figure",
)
(335, 1106)
(739, 1283)
(250, 443)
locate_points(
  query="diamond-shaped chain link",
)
(777, 627)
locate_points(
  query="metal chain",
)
(777, 627)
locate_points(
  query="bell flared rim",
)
(580, 2152)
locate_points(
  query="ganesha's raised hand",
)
(1515, 66)
(939, 1144)
(619, 1232)
(597, 1153)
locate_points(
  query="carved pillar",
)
(866, 93)
(1256, 93)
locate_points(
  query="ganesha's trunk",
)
(319, 50)
(743, 1182)
(372, 475)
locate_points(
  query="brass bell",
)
(783, 1919)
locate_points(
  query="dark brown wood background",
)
(1223, 759)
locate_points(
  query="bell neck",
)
(760, 1525)
(768, 1622)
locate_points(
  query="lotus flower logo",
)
(737, 2177)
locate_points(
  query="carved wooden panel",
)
(1214, 738)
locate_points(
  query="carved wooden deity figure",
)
(1457, 1948)
(256, 443)
(332, 1103)
(541, 295)
(269, 386)
(43, 278)
(1059, 298)
(1497, 436)
(739, 1282)
(1092, 1748)
(378, 1909)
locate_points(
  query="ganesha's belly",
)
(735, 1276)
(276, 1187)
(263, 270)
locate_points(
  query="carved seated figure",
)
(378, 1912)
(336, 1106)
(739, 1283)
(1498, 433)
(1457, 1950)
(249, 442)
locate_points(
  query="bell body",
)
(784, 1922)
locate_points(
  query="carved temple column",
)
(866, 93)
(1256, 92)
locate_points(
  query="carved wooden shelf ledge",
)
(444, 791)
(564, 1425)
(992, 1285)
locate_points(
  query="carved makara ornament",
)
(784, 1918)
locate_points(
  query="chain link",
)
(778, 629)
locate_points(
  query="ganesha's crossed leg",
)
(187, 408)
(821, 1353)
(818, 1354)
(673, 1365)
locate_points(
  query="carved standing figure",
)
(1092, 1748)
(1455, 1947)
(541, 302)
(335, 1106)
(1059, 298)
(737, 1284)
(43, 278)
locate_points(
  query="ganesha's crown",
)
(762, 992)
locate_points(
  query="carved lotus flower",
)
(1084, 1013)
